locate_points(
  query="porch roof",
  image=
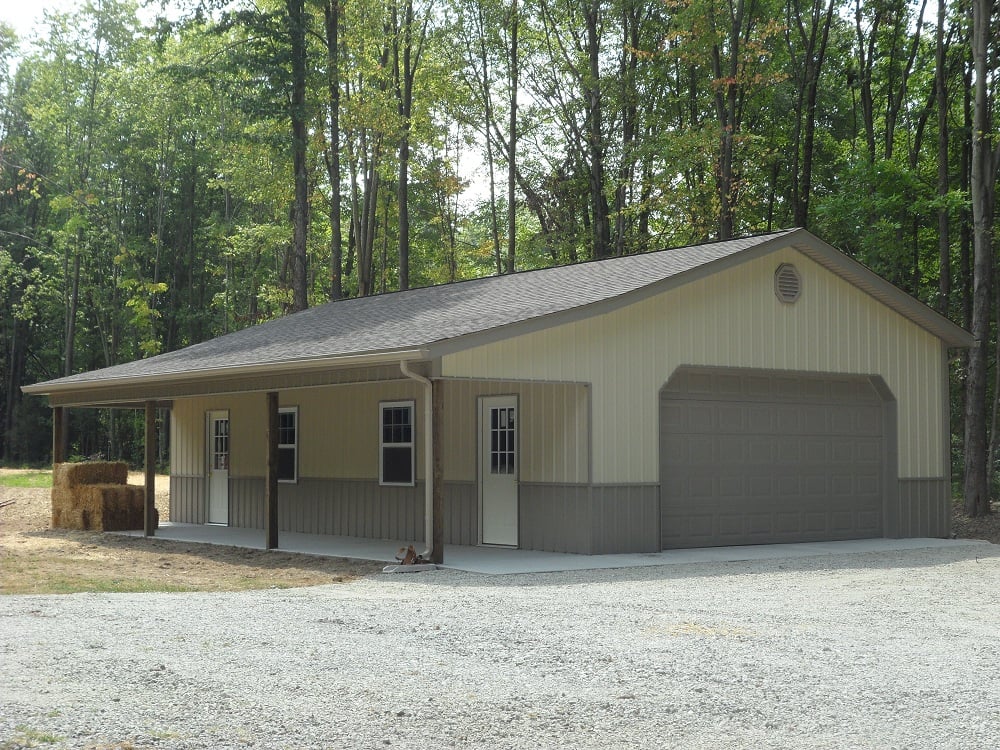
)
(425, 323)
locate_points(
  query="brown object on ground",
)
(37, 559)
(409, 556)
(94, 496)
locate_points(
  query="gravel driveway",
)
(887, 650)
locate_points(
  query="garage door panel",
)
(815, 450)
(788, 486)
(815, 522)
(759, 419)
(762, 451)
(842, 451)
(815, 419)
(869, 485)
(787, 420)
(761, 458)
(788, 523)
(703, 418)
(871, 520)
(730, 418)
(842, 485)
(842, 521)
(868, 451)
(869, 422)
(673, 416)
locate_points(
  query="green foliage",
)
(161, 159)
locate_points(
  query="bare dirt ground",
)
(36, 559)
(985, 527)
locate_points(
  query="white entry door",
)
(218, 467)
(498, 468)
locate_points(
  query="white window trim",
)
(412, 406)
(294, 446)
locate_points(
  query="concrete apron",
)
(499, 561)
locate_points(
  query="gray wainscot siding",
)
(924, 508)
(360, 508)
(187, 499)
(589, 519)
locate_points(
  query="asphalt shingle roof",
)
(418, 318)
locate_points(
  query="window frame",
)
(410, 404)
(294, 447)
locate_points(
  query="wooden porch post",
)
(271, 482)
(149, 515)
(437, 441)
(58, 435)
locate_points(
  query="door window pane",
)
(502, 440)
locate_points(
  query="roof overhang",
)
(130, 391)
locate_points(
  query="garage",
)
(765, 457)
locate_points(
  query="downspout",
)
(428, 455)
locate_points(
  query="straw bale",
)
(71, 475)
(100, 507)
(63, 504)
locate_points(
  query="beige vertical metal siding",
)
(731, 318)
(553, 428)
(187, 438)
(338, 429)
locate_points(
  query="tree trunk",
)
(866, 60)
(484, 84)
(332, 17)
(941, 97)
(406, 59)
(726, 73)
(977, 501)
(629, 115)
(512, 139)
(300, 209)
(595, 137)
(814, 53)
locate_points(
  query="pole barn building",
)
(759, 390)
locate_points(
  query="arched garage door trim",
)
(750, 456)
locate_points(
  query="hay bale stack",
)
(94, 497)
(64, 509)
(67, 476)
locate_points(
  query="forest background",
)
(217, 164)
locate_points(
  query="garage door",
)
(756, 457)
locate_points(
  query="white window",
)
(396, 443)
(288, 444)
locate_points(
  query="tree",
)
(985, 159)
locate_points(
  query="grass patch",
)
(78, 576)
(28, 737)
(31, 479)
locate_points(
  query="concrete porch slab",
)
(499, 561)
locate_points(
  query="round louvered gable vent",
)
(787, 283)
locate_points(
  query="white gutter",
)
(428, 456)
